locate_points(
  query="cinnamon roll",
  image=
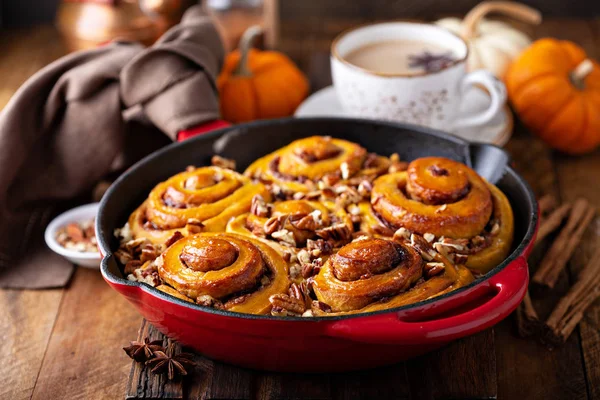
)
(201, 199)
(225, 270)
(374, 274)
(451, 206)
(300, 166)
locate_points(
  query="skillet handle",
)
(201, 129)
(506, 289)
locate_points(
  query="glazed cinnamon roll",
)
(374, 274)
(451, 206)
(300, 166)
(201, 199)
(225, 270)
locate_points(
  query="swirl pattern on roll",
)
(298, 167)
(447, 200)
(202, 199)
(239, 272)
(374, 274)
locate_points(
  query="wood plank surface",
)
(26, 322)
(577, 177)
(142, 383)
(84, 359)
(465, 369)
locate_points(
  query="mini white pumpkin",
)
(493, 44)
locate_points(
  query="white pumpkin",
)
(493, 44)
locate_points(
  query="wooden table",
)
(66, 343)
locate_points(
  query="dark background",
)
(30, 12)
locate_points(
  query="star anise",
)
(142, 351)
(172, 364)
(430, 62)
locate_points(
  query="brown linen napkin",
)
(64, 130)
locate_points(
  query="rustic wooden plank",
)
(143, 384)
(463, 369)
(389, 382)
(84, 358)
(276, 386)
(26, 321)
(229, 382)
(574, 177)
(521, 362)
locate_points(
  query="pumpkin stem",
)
(246, 43)
(517, 11)
(581, 72)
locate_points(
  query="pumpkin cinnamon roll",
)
(374, 274)
(451, 206)
(300, 166)
(225, 270)
(201, 199)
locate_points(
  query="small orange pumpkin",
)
(259, 84)
(555, 89)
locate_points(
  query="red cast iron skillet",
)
(334, 343)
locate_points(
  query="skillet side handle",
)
(507, 289)
(201, 129)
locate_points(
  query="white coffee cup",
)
(430, 98)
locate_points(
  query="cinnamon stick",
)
(547, 203)
(528, 322)
(571, 308)
(563, 247)
(552, 221)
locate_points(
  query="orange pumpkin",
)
(259, 84)
(555, 89)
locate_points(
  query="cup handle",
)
(496, 90)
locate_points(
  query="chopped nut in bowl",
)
(71, 234)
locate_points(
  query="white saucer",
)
(324, 103)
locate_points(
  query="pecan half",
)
(305, 222)
(338, 232)
(283, 304)
(323, 246)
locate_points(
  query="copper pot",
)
(91, 23)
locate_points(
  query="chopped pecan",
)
(194, 225)
(324, 246)
(305, 222)
(319, 305)
(401, 233)
(460, 259)
(433, 268)
(284, 236)
(495, 229)
(222, 162)
(190, 183)
(304, 256)
(132, 266)
(337, 232)
(174, 238)
(423, 247)
(430, 237)
(123, 256)
(149, 252)
(259, 207)
(332, 178)
(455, 244)
(207, 301)
(275, 224)
(365, 188)
(345, 170)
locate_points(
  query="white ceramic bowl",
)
(77, 214)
